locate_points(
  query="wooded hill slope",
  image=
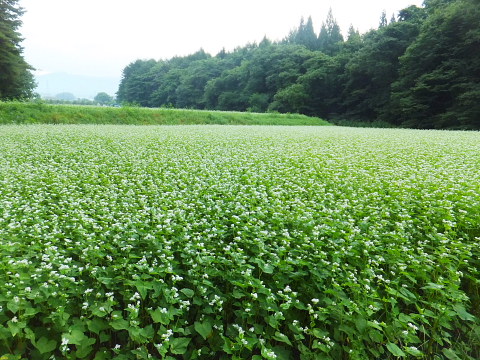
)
(420, 69)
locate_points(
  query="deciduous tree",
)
(439, 84)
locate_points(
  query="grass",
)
(238, 242)
(41, 113)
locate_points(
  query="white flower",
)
(135, 296)
(414, 327)
(167, 334)
(271, 355)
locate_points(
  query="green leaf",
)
(188, 292)
(160, 316)
(433, 286)
(227, 345)
(142, 288)
(75, 337)
(320, 334)
(395, 350)
(44, 345)
(102, 355)
(361, 324)
(105, 280)
(282, 338)
(179, 345)
(15, 327)
(120, 324)
(273, 322)
(9, 357)
(413, 351)
(85, 348)
(4, 333)
(404, 318)
(347, 330)
(450, 354)
(96, 325)
(462, 313)
(267, 268)
(282, 353)
(238, 294)
(30, 312)
(148, 332)
(13, 306)
(97, 312)
(376, 336)
(29, 334)
(374, 325)
(141, 353)
(204, 328)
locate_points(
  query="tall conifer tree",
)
(16, 80)
(330, 35)
(383, 19)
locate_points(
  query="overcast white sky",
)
(101, 37)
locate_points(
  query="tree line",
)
(420, 69)
(16, 79)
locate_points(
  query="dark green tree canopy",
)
(16, 80)
(330, 37)
(421, 69)
(439, 84)
(304, 35)
(103, 98)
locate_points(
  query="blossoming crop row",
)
(212, 242)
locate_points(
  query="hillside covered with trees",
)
(420, 69)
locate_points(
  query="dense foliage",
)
(14, 112)
(420, 70)
(210, 242)
(16, 80)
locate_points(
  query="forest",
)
(419, 69)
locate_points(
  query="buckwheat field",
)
(231, 242)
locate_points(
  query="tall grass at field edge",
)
(40, 113)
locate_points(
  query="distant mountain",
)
(83, 87)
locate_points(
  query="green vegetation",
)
(16, 80)
(421, 70)
(103, 98)
(238, 242)
(41, 113)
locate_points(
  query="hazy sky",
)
(101, 37)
